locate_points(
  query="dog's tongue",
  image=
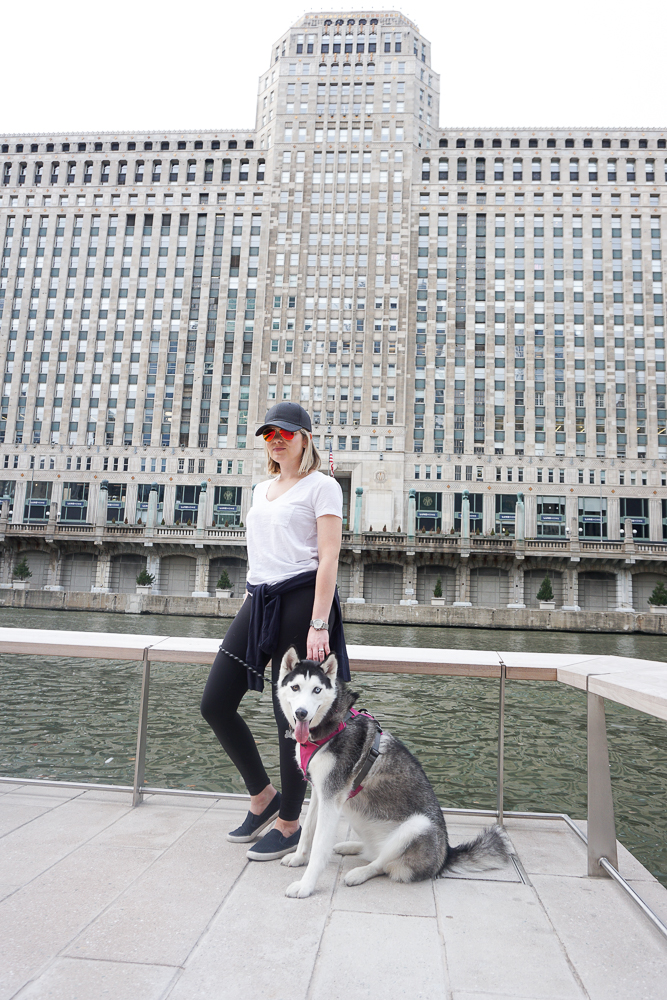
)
(301, 732)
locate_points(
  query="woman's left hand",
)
(317, 644)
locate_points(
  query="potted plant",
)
(22, 574)
(145, 582)
(223, 587)
(545, 596)
(658, 599)
(438, 600)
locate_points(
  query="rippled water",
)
(76, 719)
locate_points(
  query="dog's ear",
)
(290, 660)
(330, 667)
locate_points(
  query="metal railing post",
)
(501, 743)
(601, 823)
(140, 760)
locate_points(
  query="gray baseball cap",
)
(288, 416)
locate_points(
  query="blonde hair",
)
(310, 460)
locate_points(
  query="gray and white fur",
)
(396, 816)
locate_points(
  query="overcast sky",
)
(144, 65)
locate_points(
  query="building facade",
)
(469, 315)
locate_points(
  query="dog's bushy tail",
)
(491, 849)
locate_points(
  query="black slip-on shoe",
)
(253, 825)
(274, 846)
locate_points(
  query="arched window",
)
(156, 176)
(650, 170)
(22, 170)
(555, 169)
(249, 144)
(208, 171)
(517, 169)
(630, 171)
(426, 169)
(55, 169)
(592, 169)
(611, 170)
(122, 172)
(139, 172)
(574, 169)
(480, 169)
(173, 172)
(536, 172)
(39, 167)
(243, 170)
(104, 172)
(192, 168)
(71, 171)
(226, 171)
(260, 170)
(443, 169)
(88, 172)
(443, 143)
(498, 169)
(461, 169)
(232, 144)
(7, 173)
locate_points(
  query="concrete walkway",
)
(100, 901)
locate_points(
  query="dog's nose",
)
(301, 714)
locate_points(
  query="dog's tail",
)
(491, 849)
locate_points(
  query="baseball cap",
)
(288, 416)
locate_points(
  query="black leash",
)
(248, 667)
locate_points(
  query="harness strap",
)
(373, 755)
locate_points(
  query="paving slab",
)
(381, 895)
(365, 956)
(80, 979)
(497, 936)
(40, 919)
(17, 811)
(157, 825)
(162, 915)
(260, 943)
(616, 952)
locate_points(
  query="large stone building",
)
(460, 310)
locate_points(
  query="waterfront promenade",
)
(105, 901)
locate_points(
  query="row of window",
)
(148, 172)
(552, 143)
(517, 171)
(98, 147)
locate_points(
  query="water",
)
(76, 719)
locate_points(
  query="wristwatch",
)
(319, 624)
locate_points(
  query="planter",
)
(223, 593)
(656, 609)
(547, 605)
(21, 585)
(146, 588)
(438, 602)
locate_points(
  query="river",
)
(76, 719)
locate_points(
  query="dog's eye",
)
(295, 687)
(316, 690)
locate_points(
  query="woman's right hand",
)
(317, 644)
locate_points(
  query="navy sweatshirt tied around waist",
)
(264, 629)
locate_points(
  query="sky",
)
(143, 65)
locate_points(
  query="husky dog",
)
(393, 810)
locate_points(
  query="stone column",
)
(131, 502)
(4, 517)
(19, 501)
(102, 500)
(412, 515)
(169, 503)
(153, 566)
(624, 590)
(55, 565)
(102, 574)
(447, 512)
(571, 581)
(151, 513)
(488, 513)
(516, 586)
(462, 585)
(655, 519)
(519, 519)
(409, 581)
(358, 493)
(613, 518)
(201, 511)
(571, 510)
(465, 519)
(531, 515)
(201, 575)
(357, 579)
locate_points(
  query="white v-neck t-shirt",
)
(281, 534)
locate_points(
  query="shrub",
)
(658, 597)
(144, 578)
(437, 590)
(546, 592)
(224, 583)
(22, 570)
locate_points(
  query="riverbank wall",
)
(367, 614)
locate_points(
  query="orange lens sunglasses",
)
(270, 434)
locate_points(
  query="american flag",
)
(331, 464)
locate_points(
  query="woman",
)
(293, 537)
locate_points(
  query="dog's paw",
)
(356, 876)
(348, 847)
(293, 861)
(297, 890)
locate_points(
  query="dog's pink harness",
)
(310, 748)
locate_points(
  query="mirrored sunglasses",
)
(271, 432)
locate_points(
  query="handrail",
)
(639, 684)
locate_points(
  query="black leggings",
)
(226, 685)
